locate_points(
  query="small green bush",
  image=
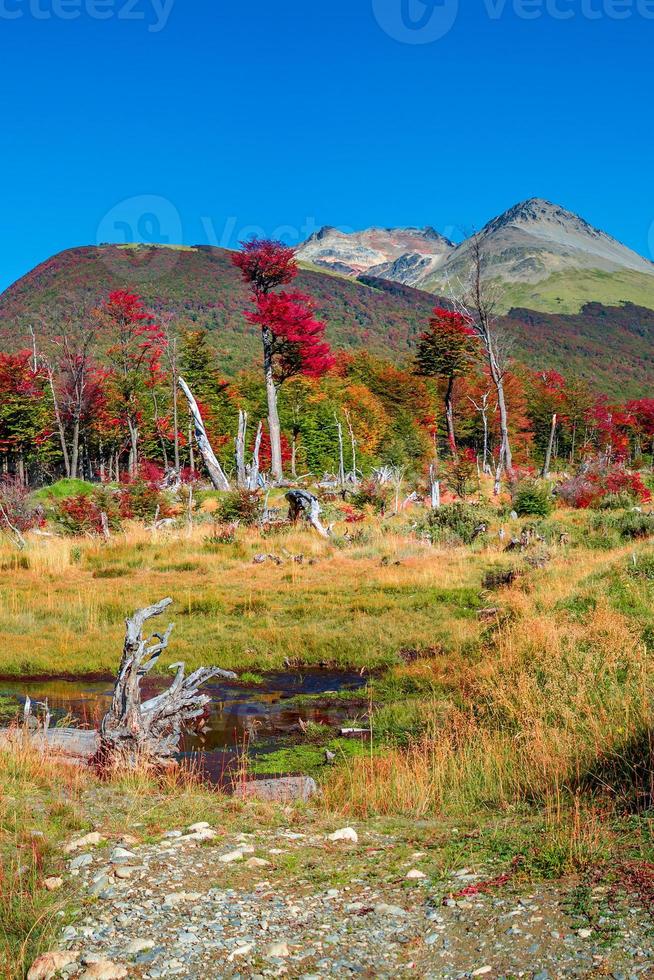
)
(533, 498)
(456, 523)
(240, 507)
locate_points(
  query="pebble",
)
(280, 950)
(104, 970)
(416, 875)
(89, 840)
(230, 857)
(345, 834)
(52, 884)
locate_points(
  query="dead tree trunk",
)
(214, 468)
(239, 448)
(252, 471)
(301, 503)
(135, 731)
(548, 454)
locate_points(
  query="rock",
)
(99, 885)
(90, 840)
(171, 834)
(198, 835)
(178, 898)
(52, 884)
(47, 965)
(282, 790)
(257, 863)
(240, 951)
(481, 971)
(202, 825)
(121, 855)
(346, 834)
(123, 873)
(279, 950)
(584, 933)
(230, 857)
(415, 875)
(383, 909)
(81, 861)
(104, 970)
(139, 946)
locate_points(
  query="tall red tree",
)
(292, 337)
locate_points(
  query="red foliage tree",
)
(292, 337)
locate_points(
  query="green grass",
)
(567, 292)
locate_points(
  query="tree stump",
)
(301, 503)
(136, 732)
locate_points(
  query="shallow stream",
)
(256, 719)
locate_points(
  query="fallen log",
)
(301, 503)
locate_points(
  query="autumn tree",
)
(292, 337)
(445, 351)
(135, 346)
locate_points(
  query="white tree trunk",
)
(214, 468)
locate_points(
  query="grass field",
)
(519, 713)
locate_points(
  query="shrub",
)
(17, 512)
(532, 498)
(82, 514)
(629, 526)
(461, 476)
(598, 480)
(372, 494)
(143, 499)
(459, 522)
(221, 534)
(241, 507)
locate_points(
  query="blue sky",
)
(203, 120)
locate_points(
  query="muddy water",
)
(258, 718)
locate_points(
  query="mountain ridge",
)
(199, 287)
(527, 244)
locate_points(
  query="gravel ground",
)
(200, 904)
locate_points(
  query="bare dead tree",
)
(353, 444)
(482, 407)
(252, 469)
(215, 470)
(478, 302)
(341, 458)
(545, 472)
(434, 488)
(239, 449)
(135, 731)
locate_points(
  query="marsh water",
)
(255, 718)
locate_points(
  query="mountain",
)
(200, 288)
(534, 241)
(372, 251)
(541, 256)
